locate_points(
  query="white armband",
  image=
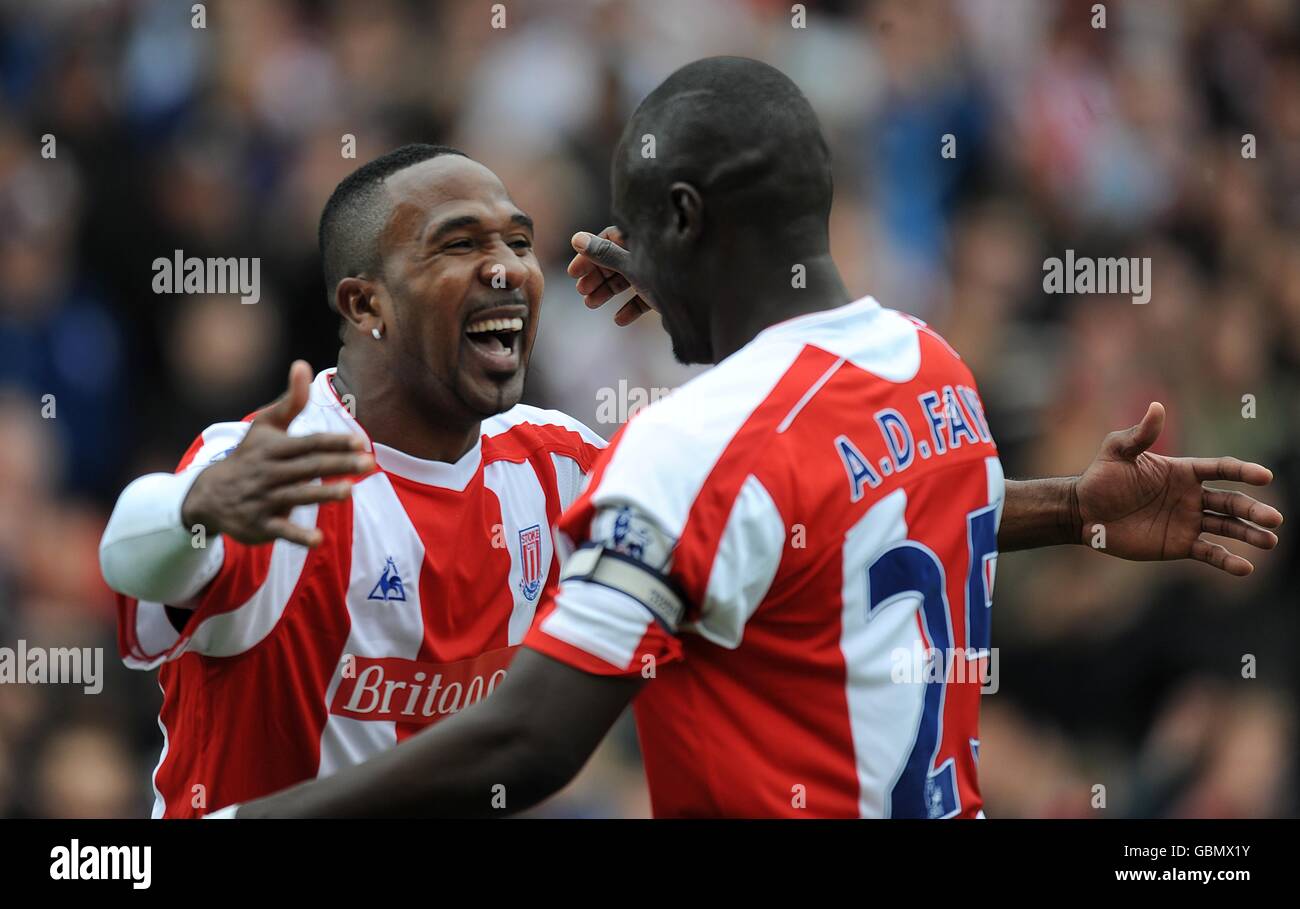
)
(611, 569)
(630, 553)
(147, 553)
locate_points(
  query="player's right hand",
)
(248, 495)
(601, 267)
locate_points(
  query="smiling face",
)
(458, 267)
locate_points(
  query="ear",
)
(687, 207)
(361, 303)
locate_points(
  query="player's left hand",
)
(1153, 507)
(601, 267)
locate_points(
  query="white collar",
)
(802, 323)
(448, 475)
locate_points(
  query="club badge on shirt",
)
(530, 561)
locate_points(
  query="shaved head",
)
(357, 211)
(721, 186)
(738, 130)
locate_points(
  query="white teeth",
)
(495, 325)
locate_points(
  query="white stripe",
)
(230, 633)
(569, 479)
(997, 486)
(381, 529)
(997, 483)
(808, 395)
(748, 556)
(159, 803)
(602, 622)
(154, 635)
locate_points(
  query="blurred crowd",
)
(1172, 132)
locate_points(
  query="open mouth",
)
(498, 340)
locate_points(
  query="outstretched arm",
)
(1137, 505)
(147, 550)
(1043, 512)
(503, 755)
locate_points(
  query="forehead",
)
(443, 187)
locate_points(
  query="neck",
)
(392, 416)
(769, 298)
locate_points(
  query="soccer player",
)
(752, 551)
(301, 626)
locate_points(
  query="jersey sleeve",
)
(658, 547)
(574, 452)
(238, 606)
(571, 446)
(571, 476)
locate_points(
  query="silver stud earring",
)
(376, 333)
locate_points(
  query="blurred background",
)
(1122, 141)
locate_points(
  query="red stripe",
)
(526, 441)
(244, 571)
(464, 579)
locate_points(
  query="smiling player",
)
(752, 551)
(322, 622)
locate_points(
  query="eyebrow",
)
(461, 221)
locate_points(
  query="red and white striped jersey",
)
(825, 502)
(297, 662)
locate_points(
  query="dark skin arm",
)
(1042, 512)
(531, 737)
(1144, 506)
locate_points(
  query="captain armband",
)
(629, 553)
(595, 564)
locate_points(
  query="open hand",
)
(249, 494)
(1153, 507)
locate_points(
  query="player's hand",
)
(249, 494)
(601, 269)
(1153, 507)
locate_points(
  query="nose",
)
(504, 270)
